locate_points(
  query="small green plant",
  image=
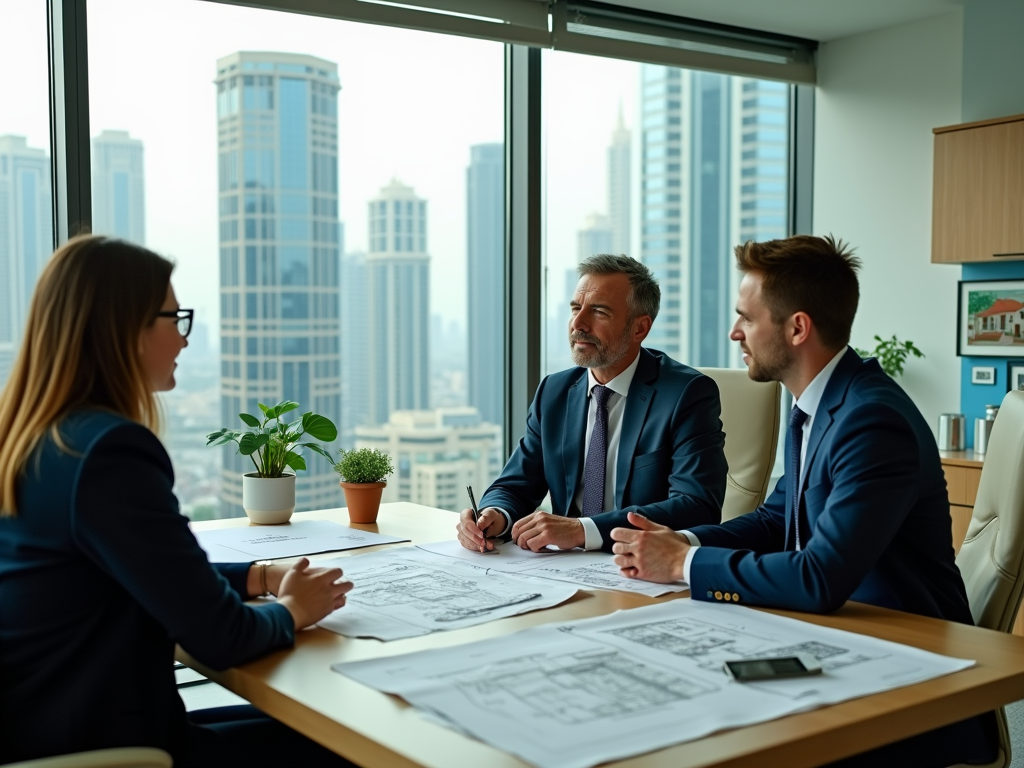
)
(891, 354)
(363, 465)
(270, 443)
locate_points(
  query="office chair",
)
(122, 757)
(991, 559)
(750, 420)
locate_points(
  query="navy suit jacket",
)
(99, 577)
(671, 466)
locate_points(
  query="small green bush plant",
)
(891, 354)
(270, 443)
(363, 465)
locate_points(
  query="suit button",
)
(718, 595)
(728, 596)
(735, 597)
(709, 594)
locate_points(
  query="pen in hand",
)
(476, 519)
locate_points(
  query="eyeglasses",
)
(183, 319)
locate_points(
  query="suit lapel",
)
(831, 399)
(575, 433)
(641, 393)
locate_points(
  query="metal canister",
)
(952, 431)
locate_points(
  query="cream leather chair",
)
(123, 757)
(750, 420)
(991, 559)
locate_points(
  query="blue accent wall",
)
(974, 397)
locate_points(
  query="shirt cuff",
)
(508, 522)
(694, 546)
(592, 538)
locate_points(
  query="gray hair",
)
(645, 295)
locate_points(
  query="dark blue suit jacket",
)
(99, 577)
(671, 466)
(874, 501)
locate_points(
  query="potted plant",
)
(364, 473)
(891, 354)
(268, 494)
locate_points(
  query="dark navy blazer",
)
(671, 466)
(99, 577)
(874, 501)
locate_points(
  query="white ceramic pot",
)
(268, 500)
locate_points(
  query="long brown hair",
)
(81, 347)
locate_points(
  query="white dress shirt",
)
(808, 402)
(616, 407)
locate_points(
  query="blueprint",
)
(406, 592)
(577, 694)
(595, 570)
(267, 542)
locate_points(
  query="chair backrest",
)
(750, 420)
(992, 554)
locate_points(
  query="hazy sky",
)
(410, 107)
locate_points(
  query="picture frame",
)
(1014, 375)
(983, 374)
(990, 318)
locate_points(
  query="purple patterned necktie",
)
(794, 440)
(593, 471)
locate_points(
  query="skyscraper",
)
(355, 400)
(597, 236)
(619, 187)
(26, 237)
(277, 117)
(398, 303)
(713, 174)
(118, 196)
(485, 254)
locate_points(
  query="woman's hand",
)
(265, 577)
(310, 594)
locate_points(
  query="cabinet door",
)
(978, 198)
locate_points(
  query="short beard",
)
(771, 363)
(602, 356)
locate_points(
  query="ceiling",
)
(820, 20)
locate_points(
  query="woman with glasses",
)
(100, 575)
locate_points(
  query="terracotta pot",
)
(268, 500)
(362, 500)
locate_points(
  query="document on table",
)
(407, 592)
(595, 570)
(267, 542)
(576, 694)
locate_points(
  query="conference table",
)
(377, 730)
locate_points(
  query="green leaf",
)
(317, 449)
(249, 421)
(266, 411)
(251, 443)
(285, 406)
(320, 428)
(222, 436)
(294, 460)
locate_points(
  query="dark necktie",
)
(593, 471)
(794, 441)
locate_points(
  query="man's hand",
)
(652, 553)
(311, 593)
(536, 531)
(477, 536)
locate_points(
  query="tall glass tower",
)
(620, 187)
(118, 195)
(277, 119)
(26, 237)
(398, 303)
(485, 254)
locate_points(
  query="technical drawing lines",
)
(831, 656)
(578, 688)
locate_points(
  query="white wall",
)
(879, 95)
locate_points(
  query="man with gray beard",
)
(627, 430)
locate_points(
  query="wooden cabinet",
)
(978, 192)
(963, 475)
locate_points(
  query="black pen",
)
(476, 519)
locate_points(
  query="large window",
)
(333, 195)
(673, 167)
(26, 217)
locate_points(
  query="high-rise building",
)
(437, 454)
(596, 237)
(26, 237)
(713, 172)
(398, 303)
(620, 187)
(485, 255)
(118, 195)
(277, 118)
(355, 355)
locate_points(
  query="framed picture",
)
(983, 374)
(1014, 375)
(990, 318)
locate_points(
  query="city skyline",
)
(118, 186)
